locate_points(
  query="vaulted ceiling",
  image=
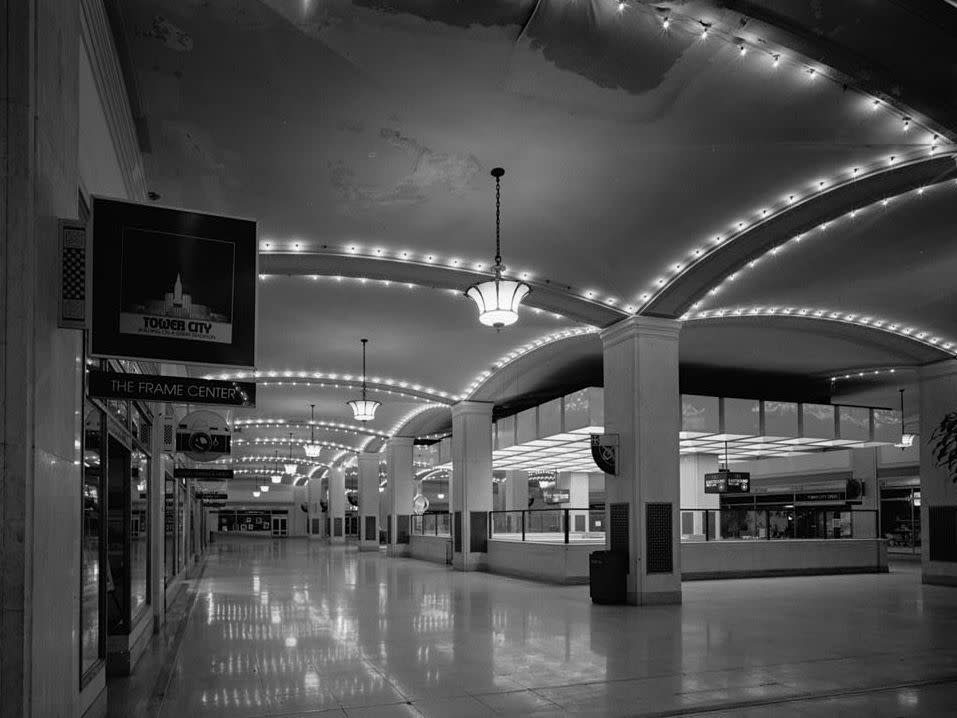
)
(709, 161)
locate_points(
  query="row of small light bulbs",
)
(266, 459)
(591, 295)
(396, 384)
(742, 227)
(823, 227)
(697, 254)
(307, 423)
(705, 29)
(525, 349)
(866, 374)
(904, 330)
(287, 442)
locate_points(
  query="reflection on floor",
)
(290, 627)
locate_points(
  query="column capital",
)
(640, 326)
(479, 408)
(369, 456)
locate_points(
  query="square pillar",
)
(368, 501)
(643, 406)
(399, 494)
(864, 469)
(316, 517)
(337, 504)
(692, 469)
(472, 482)
(938, 492)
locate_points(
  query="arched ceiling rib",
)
(732, 253)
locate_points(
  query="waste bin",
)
(607, 575)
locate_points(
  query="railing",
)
(733, 523)
(437, 524)
(548, 525)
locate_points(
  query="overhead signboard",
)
(211, 495)
(172, 389)
(172, 285)
(727, 482)
(818, 497)
(202, 474)
(557, 496)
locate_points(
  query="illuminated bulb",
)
(920, 190)
(704, 31)
(666, 23)
(906, 124)
(622, 5)
(875, 104)
(891, 159)
(811, 72)
(742, 50)
(776, 60)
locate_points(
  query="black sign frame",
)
(136, 248)
(185, 472)
(728, 482)
(172, 389)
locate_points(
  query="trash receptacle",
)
(607, 575)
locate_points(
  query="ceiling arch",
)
(896, 337)
(703, 275)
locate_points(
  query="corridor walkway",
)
(291, 627)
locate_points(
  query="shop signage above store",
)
(212, 495)
(202, 474)
(727, 482)
(820, 497)
(604, 452)
(172, 389)
(172, 285)
(557, 496)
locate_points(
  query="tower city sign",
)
(172, 285)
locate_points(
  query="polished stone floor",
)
(290, 627)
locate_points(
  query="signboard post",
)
(172, 285)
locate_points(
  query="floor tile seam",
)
(838, 693)
(157, 699)
(478, 696)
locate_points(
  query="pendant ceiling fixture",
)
(907, 440)
(277, 474)
(312, 448)
(364, 409)
(498, 299)
(289, 466)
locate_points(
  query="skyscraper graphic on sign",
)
(180, 287)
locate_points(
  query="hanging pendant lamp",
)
(498, 299)
(289, 466)
(364, 409)
(312, 448)
(277, 474)
(907, 440)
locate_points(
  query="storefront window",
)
(169, 529)
(181, 524)
(139, 531)
(91, 542)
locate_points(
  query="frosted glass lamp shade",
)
(498, 301)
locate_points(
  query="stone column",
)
(399, 494)
(337, 504)
(472, 479)
(864, 469)
(576, 484)
(368, 501)
(642, 406)
(516, 490)
(938, 492)
(692, 469)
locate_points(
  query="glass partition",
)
(92, 635)
(747, 523)
(139, 531)
(169, 528)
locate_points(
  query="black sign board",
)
(820, 496)
(174, 389)
(203, 474)
(212, 495)
(172, 285)
(727, 482)
(557, 496)
(214, 504)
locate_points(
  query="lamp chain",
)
(498, 221)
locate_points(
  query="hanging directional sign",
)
(172, 389)
(727, 482)
(604, 452)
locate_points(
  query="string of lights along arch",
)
(498, 299)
